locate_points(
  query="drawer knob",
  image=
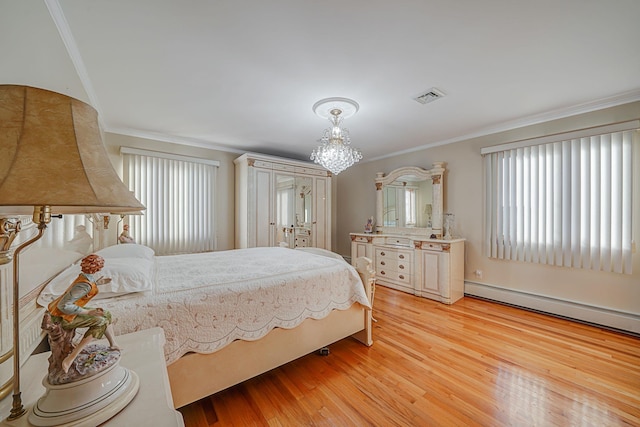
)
(401, 276)
(382, 272)
(401, 267)
(382, 263)
(382, 253)
(401, 257)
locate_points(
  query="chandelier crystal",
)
(335, 152)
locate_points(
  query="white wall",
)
(615, 294)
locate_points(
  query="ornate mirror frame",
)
(436, 175)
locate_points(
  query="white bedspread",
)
(205, 301)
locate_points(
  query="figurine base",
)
(88, 402)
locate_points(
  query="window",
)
(178, 193)
(563, 200)
(410, 206)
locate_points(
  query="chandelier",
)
(335, 152)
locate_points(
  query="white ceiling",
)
(243, 75)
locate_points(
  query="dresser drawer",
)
(400, 241)
(395, 254)
(432, 246)
(394, 276)
(393, 265)
(302, 242)
(304, 232)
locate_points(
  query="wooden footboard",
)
(195, 376)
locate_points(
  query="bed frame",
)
(242, 360)
(195, 376)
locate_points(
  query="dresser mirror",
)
(409, 201)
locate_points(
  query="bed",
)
(231, 315)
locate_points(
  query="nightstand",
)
(142, 352)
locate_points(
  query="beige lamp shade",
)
(52, 155)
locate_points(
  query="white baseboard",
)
(586, 313)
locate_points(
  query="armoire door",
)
(303, 211)
(265, 224)
(285, 198)
(321, 224)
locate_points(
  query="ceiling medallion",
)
(335, 152)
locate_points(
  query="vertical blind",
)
(564, 200)
(61, 233)
(178, 193)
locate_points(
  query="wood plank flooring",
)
(471, 363)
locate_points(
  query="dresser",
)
(430, 268)
(281, 202)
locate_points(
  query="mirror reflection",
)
(293, 210)
(408, 202)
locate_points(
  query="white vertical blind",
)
(410, 206)
(178, 193)
(566, 202)
(61, 232)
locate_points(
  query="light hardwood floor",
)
(471, 363)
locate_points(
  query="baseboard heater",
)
(618, 321)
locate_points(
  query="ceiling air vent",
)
(429, 96)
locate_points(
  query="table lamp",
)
(53, 162)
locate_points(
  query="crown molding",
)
(560, 113)
(55, 10)
(158, 136)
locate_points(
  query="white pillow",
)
(320, 251)
(127, 250)
(127, 275)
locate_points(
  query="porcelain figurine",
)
(69, 312)
(125, 237)
(368, 228)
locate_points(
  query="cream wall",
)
(225, 187)
(463, 196)
(225, 192)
